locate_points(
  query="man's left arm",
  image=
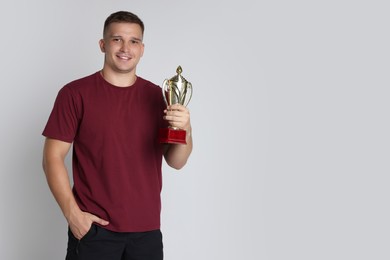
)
(177, 155)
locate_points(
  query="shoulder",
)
(83, 82)
(148, 85)
(74, 90)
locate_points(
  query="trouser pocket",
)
(74, 244)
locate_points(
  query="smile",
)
(123, 57)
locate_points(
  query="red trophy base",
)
(172, 136)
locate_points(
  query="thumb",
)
(99, 220)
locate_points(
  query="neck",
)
(119, 79)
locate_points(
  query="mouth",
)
(123, 56)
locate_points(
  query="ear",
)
(102, 46)
(143, 48)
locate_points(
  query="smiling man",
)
(112, 118)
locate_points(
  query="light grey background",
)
(290, 123)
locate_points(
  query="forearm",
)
(59, 184)
(177, 154)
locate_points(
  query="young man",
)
(112, 117)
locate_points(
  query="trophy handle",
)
(170, 93)
(164, 91)
(185, 94)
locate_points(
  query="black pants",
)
(102, 244)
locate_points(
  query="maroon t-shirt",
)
(116, 156)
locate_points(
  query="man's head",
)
(122, 42)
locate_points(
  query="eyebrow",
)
(132, 38)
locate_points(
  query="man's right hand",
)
(81, 222)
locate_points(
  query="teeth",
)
(123, 57)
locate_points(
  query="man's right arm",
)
(57, 177)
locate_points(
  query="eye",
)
(116, 39)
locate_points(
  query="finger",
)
(98, 220)
(177, 116)
(175, 121)
(178, 113)
(77, 234)
(80, 231)
(177, 107)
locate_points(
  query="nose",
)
(125, 47)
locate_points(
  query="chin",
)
(124, 70)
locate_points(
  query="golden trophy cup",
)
(175, 90)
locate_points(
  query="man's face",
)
(123, 47)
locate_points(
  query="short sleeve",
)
(64, 118)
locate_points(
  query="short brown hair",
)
(123, 17)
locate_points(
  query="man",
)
(112, 117)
